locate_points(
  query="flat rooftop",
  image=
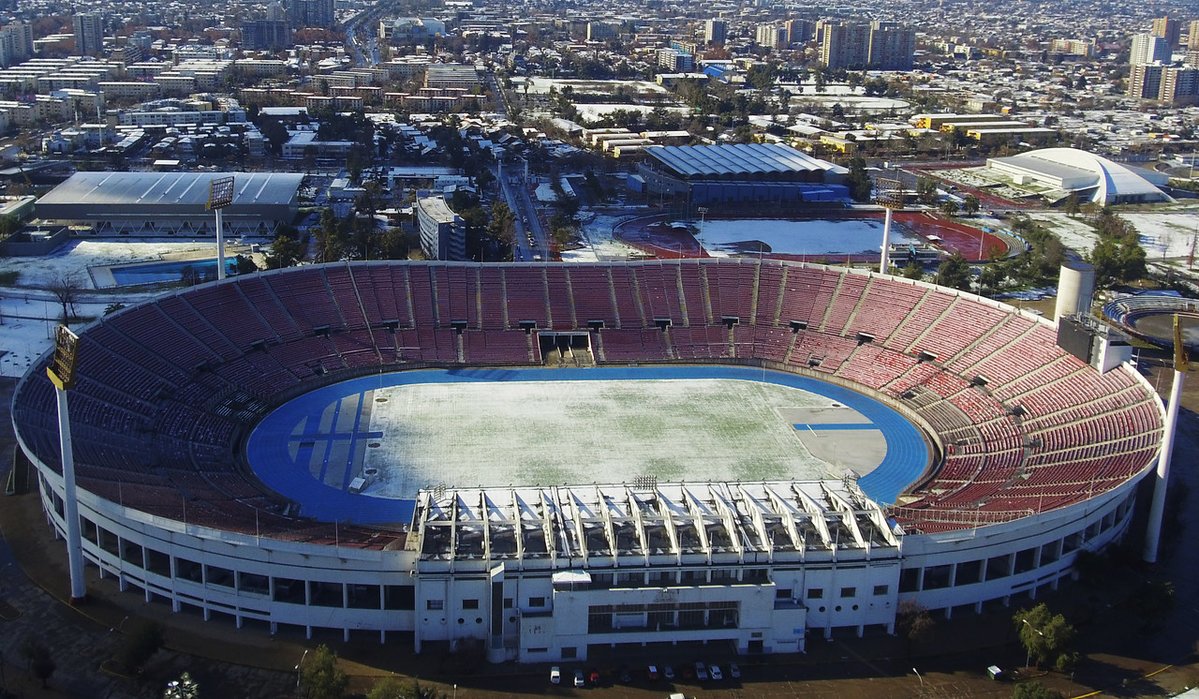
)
(739, 159)
(171, 188)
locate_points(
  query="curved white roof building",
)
(1066, 171)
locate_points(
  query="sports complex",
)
(539, 461)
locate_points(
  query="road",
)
(531, 239)
(362, 38)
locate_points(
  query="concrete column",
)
(70, 501)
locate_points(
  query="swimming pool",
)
(171, 271)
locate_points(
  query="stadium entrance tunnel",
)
(565, 349)
(360, 450)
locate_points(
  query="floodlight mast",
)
(62, 374)
(890, 196)
(220, 195)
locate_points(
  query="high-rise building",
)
(675, 60)
(16, 43)
(878, 45)
(799, 30)
(89, 34)
(1167, 29)
(845, 44)
(1179, 85)
(1145, 80)
(265, 34)
(1147, 48)
(1193, 35)
(1166, 84)
(892, 46)
(601, 31)
(771, 36)
(715, 31)
(310, 13)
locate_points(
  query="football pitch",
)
(362, 449)
(578, 432)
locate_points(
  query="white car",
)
(735, 671)
(715, 674)
(580, 681)
(555, 675)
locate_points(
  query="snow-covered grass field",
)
(554, 432)
(1163, 235)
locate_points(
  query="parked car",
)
(715, 673)
(735, 671)
(652, 673)
(668, 672)
(579, 681)
(555, 675)
(701, 671)
(593, 677)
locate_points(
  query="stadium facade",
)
(1064, 172)
(736, 174)
(1037, 458)
(171, 203)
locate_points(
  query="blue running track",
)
(281, 457)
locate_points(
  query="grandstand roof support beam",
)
(817, 515)
(729, 519)
(638, 522)
(788, 512)
(696, 510)
(850, 513)
(672, 531)
(755, 514)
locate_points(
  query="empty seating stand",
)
(151, 408)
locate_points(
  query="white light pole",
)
(703, 212)
(62, 374)
(220, 195)
(919, 676)
(305, 655)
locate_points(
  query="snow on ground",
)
(77, 256)
(850, 102)
(598, 243)
(542, 86)
(1074, 233)
(552, 432)
(1163, 235)
(1166, 235)
(593, 112)
(30, 313)
(27, 322)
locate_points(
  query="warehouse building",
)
(171, 203)
(753, 172)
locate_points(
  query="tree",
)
(141, 642)
(37, 655)
(913, 624)
(954, 273)
(113, 307)
(1072, 206)
(285, 251)
(971, 204)
(912, 270)
(66, 289)
(1034, 690)
(1045, 636)
(926, 190)
(388, 688)
(320, 678)
(858, 181)
(949, 207)
(1153, 602)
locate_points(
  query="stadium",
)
(542, 462)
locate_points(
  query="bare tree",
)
(66, 289)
